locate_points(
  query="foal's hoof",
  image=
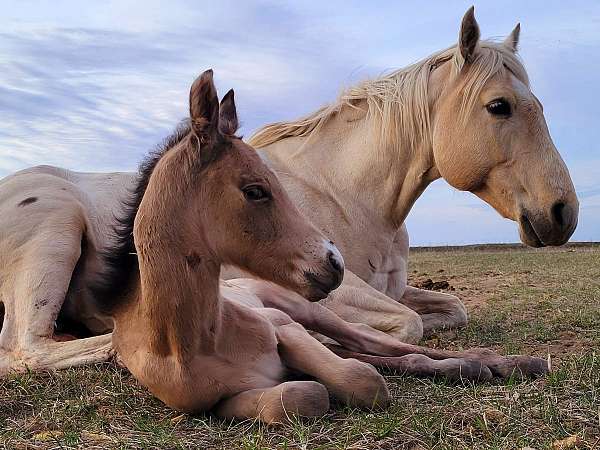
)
(361, 386)
(528, 366)
(457, 369)
(511, 366)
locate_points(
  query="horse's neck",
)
(177, 304)
(344, 161)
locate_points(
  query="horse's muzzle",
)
(552, 228)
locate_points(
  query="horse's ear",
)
(228, 121)
(469, 35)
(204, 105)
(512, 40)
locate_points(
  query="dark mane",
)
(120, 262)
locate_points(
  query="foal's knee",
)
(362, 386)
(294, 398)
(275, 316)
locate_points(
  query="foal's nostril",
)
(334, 262)
(558, 213)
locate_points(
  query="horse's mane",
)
(399, 100)
(120, 261)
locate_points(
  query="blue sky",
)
(94, 85)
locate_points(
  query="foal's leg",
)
(359, 340)
(423, 366)
(365, 340)
(353, 382)
(364, 343)
(277, 404)
(437, 309)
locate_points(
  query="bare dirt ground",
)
(540, 302)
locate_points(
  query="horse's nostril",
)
(334, 261)
(558, 211)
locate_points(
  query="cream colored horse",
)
(355, 169)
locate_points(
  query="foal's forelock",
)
(399, 101)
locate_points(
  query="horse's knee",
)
(437, 309)
(407, 327)
(461, 316)
(456, 311)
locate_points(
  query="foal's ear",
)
(204, 105)
(228, 121)
(512, 40)
(469, 35)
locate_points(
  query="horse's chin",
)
(528, 234)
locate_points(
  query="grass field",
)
(537, 302)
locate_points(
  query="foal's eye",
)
(255, 193)
(499, 107)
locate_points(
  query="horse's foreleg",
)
(278, 404)
(35, 296)
(353, 302)
(49, 354)
(351, 381)
(357, 302)
(437, 309)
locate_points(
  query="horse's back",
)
(71, 200)
(52, 220)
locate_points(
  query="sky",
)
(94, 85)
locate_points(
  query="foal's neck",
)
(178, 296)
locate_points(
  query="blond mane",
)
(398, 102)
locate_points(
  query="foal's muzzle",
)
(329, 277)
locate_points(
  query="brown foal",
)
(205, 200)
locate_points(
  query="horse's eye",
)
(255, 193)
(499, 107)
